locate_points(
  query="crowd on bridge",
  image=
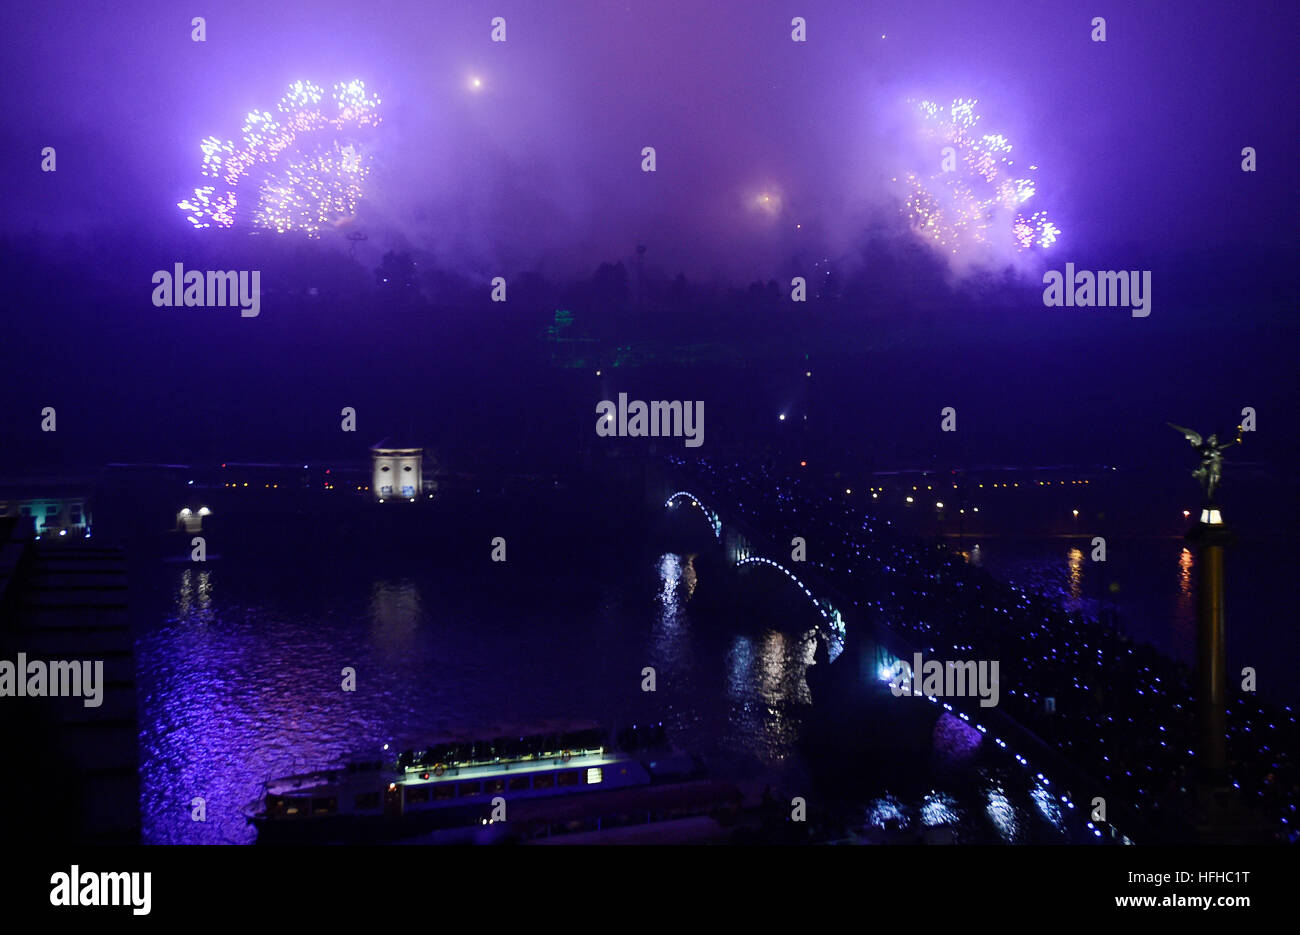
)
(1120, 711)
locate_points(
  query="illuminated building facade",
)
(396, 471)
(53, 509)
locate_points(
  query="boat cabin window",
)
(368, 800)
(543, 780)
(417, 794)
(324, 806)
(468, 788)
(570, 777)
(518, 782)
(494, 785)
(443, 791)
(298, 806)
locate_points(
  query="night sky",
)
(525, 156)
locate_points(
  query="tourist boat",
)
(463, 784)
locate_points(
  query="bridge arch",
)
(685, 496)
(740, 552)
(831, 617)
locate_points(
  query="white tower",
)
(396, 472)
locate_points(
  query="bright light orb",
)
(767, 202)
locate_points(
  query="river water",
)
(241, 663)
(1150, 583)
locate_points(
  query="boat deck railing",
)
(567, 760)
(564, 759)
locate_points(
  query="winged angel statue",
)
(1211, 451)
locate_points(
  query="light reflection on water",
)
(1149, 583)
(243, 677)
(938, 809)
(888, 814)
(1185, 614)
(1076, 579)
(1046, 803)
(766, 685)
(671, 648)
(1004, 816)
(194, 593)
(394, 615)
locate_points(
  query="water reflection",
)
(939, 808)
(670, 639)
(1075, 560)
(1002, 814)
(887, 814)
(256, 693)
(1185, 576)
(194, 595)
(688, 576)
(394, 612)
(677, 581)
(765, 682)
(1046, 803)
(1185, 604)
(1044, 569)
(240, 678)
(1142, 591)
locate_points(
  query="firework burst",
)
(975, 200)
(300, 167)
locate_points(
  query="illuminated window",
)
(594, 775)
